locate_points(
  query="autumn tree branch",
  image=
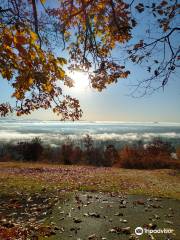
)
(36, 25)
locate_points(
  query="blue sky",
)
(115, 104)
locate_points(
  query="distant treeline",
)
(155, 154)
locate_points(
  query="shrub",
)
(159, 147)
(110, 156)
(66, 153)
(30, 151)
(96, 157)
(7, 152)
(88, 143)
(178, 152)
(5, 158)
(88, 150)
(156, 154)
(77, 154)
(48, 154)
(130, 157)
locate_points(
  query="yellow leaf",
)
(47, 87)
(20, 39)
(100, 5)
(62, 60)
(32, 55)
(30, 81)
(33, 36)
(18, 95)
(62, 73)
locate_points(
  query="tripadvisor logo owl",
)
(139, 231)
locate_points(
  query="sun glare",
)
(81, 80)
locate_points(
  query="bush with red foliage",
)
(154, 155)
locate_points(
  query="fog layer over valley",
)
(56, 132)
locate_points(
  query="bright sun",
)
(81, 80)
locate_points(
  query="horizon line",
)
(90, 121)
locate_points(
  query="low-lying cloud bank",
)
(55, 138)
(54, 133)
